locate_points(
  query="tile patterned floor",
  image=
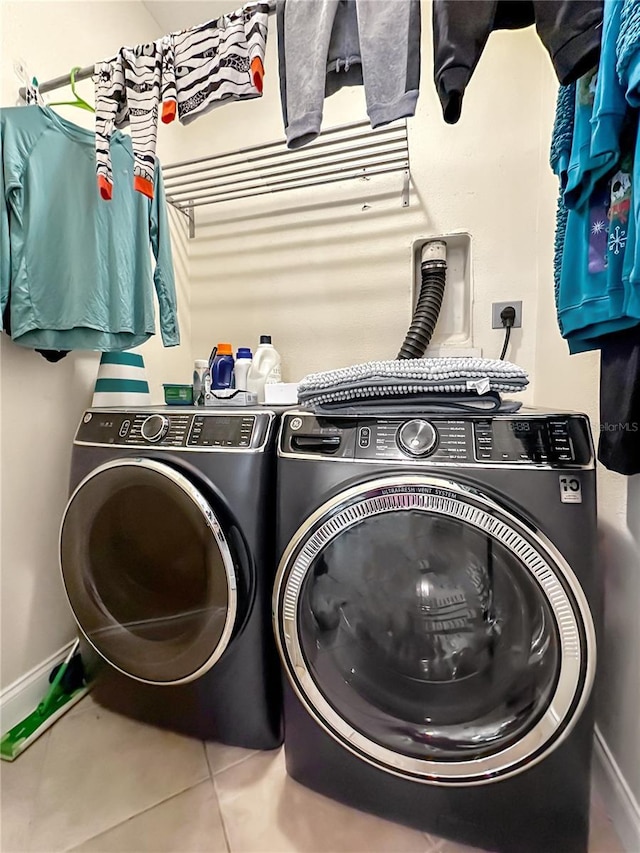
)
(100, 782)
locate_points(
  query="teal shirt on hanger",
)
(597, 294)
(75, 270)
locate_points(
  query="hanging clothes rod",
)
(85, 73)
(59, 82)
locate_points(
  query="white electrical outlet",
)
(497, 307)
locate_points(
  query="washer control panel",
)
(200, 429)
(556, 441)
(526, 440)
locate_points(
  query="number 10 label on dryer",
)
(570, 490)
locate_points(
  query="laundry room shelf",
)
(338, 154)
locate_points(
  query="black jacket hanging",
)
(569, 29)
(619, 445)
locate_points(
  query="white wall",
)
(41, 403)
(331, 279)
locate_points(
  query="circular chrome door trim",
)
(216, 531)
(450, 499)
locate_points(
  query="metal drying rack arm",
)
(339, 153)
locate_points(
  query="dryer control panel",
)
(538, 440)
(189, 430)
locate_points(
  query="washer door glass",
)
(148, 571)
(423, 633)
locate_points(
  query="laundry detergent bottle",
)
(222, 368)
(241, 370)
(265, 367)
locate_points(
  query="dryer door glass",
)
(148, 571)
(425, 633)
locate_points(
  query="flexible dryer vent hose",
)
(433, 268)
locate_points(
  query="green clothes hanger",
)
(79, 102)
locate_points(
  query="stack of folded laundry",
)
(419, 384)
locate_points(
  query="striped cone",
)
(121, 381)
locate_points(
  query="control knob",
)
(417, 437)
(155, 427)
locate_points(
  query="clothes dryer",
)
(167, 559)
(435, 610)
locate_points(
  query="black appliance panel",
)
(558, 441)
(221, 431)
(168, 429)
(548, 440)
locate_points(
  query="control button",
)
(124, 429)
(87, 418)
(560, 443)
(565, 456)
(484, 455)
(295, 423)
(155, 427)
(364, 437)
(417, 437)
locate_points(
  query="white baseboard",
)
(20, 698)
(621, 805)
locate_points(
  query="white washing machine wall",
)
(424, 494)
(435, 610)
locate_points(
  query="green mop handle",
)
(46, 703)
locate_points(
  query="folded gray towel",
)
(419, 404)
(406, 379)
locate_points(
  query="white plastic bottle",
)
(241, 369)
(200, 368)
(265, 367)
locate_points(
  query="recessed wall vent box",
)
(454, 333)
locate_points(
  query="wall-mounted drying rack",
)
(338, 154)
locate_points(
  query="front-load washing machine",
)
(167, 558)
(435, 610)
